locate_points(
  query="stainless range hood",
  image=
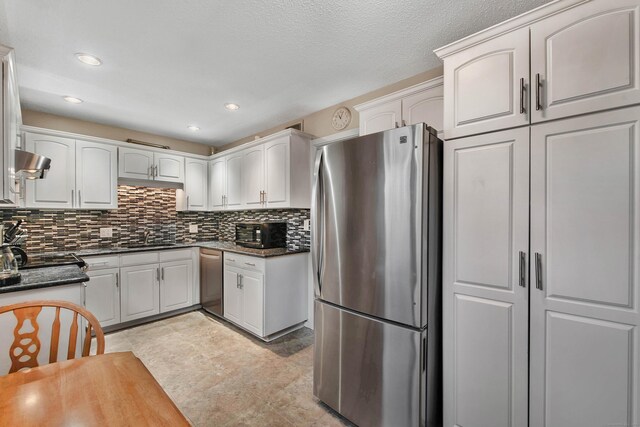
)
(31, 165)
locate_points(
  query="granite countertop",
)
(215, 244)
(44, 277)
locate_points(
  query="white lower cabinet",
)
(265, 295)
(176, 289)
(102, 297)
(140, 295)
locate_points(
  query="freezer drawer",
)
(372, 372)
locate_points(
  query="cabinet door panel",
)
(485, 311)
(587, 59)
(140, 294)
(482, 86)
(253, 301)
(169, 167)
(134, 163)
(277, 173)
(96, 175)
(585, 226)
(176, 285)
(102, 296)
(217, 183)
(232, 295)
(196, 184)
(56, 190)
(235, 197)
(253, 176)
(380, 118)
(425, 107)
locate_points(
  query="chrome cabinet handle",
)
(187, 202)
(231, 259)
(79, 199)
(162, 273)
(238, 281)
(404, 123)
(73, 199)
(538, 271)
(156, 170)
(397, 125)
(523, 266)
(538, 97)
(241, 277)
(117, 280)
(523, 90)
(158, 274)
(150, 172)
(264, 196)
(250, 264)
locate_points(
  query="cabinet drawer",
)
(244, 262)
(176, 255)
(138, 258)
(101, 262)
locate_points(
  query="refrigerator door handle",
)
(317, 223)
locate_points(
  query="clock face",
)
(341, 118)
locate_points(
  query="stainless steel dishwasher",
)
(211, 281)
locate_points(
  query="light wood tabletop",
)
(113, 389)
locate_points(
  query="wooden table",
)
(113, 389)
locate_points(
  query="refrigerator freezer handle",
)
(317, 222)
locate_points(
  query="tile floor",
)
(221, 376)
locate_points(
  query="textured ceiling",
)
(170, 63)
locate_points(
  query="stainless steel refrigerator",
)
(376, 250)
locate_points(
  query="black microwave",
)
(262, 235)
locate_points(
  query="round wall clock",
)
(341, 118)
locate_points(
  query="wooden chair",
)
(26, 345)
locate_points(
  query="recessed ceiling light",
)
(193, 128)
(73, 100)
(88, 59)
(231, 106)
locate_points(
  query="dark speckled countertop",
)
(223, 246)
(45, 277)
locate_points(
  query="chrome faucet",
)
(147, 233)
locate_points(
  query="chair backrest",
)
(26, 344)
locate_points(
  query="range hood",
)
(31, 165)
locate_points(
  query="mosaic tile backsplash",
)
(141, 209)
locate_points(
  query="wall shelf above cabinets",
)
(83, 174)
(422, 103)
(272, 172)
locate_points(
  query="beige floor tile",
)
(219, 375)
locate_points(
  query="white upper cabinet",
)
(195, 184)
(381, 117)
(217, 183)
(273, 172)
(253, 176)
(485, 86)
(83, 174)
(277, 172)
(586, 59)
(564, 59)
(96, 175)
(425, 107)
(168, 167)
(135, 163)
(422, 103)
(58, 190)
(234, 197)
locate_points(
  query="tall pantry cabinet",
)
(542, 219)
